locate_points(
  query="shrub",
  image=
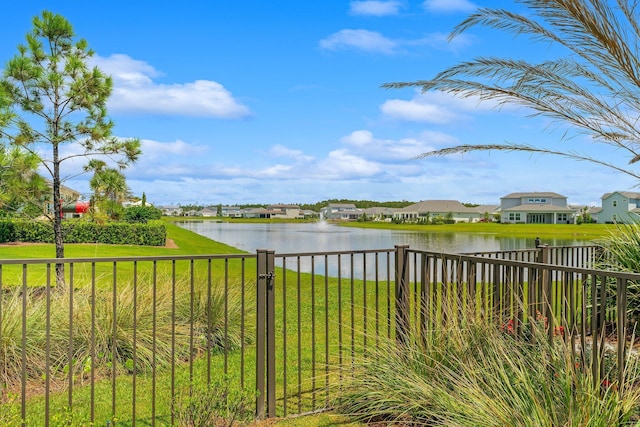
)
(7, 232)
(142, 214)
(153, 233)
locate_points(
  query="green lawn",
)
(186, 242)
(560, 231)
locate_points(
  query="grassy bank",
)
(179, 242)
(559, 231)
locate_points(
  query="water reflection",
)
(293, 238)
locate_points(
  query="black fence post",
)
(402, 294)
(261, 303)
(265, 335)
(621, 327)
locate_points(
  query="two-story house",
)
(620, 207)
(340, 211)
(286, 211)
(231, 211)
(536, 208)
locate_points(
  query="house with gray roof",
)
(620, 207)
(380, 213)
(427, 210)
(286, 211)
(340, 211)
(488, 212)
(536, 208)
(209, 212)
(231, 211)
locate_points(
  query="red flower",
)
(508, 326)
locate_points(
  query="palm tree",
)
(594, 89)
(109, 187)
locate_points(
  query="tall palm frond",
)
(594, 89)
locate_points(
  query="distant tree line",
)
(361, 204)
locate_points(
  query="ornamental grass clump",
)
(470, 373)
(156, 320)
(621, 252)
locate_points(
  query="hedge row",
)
(153, 233)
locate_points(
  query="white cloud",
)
(375, 8)
(282, 151)
(358, 138)
(155, 149)
(135, 91)
(340, 164)
(434, 138)
(374, 42)
(368, 41)
(437, 107)
(388, 151)
(449, 5)
(441, 42)
(416, 111)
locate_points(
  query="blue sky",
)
(249, 101)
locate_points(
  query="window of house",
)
(514, 216)
(615, 203)
(562, 217)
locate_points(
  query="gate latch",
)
(269, 276)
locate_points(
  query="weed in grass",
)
(9, 409)
(221, 403)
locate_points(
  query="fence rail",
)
(126, 338)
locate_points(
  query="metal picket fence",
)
(128, 339)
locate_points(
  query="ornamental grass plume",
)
(621, 252)
(215, 326)
(470, 373)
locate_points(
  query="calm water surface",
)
(292, 238)
(319, 237)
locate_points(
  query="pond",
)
(321, 236)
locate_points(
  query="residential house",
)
(586, 212)
(380, 213)
(171, 210)
(209, 212)
(594, 212)
(488, 212)
(536, 208)
(286, 211)
(231, 211)
(427, 210)
(620, 207)
(307, 213)
(260, 213)
(70, 199)
(340, 211)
